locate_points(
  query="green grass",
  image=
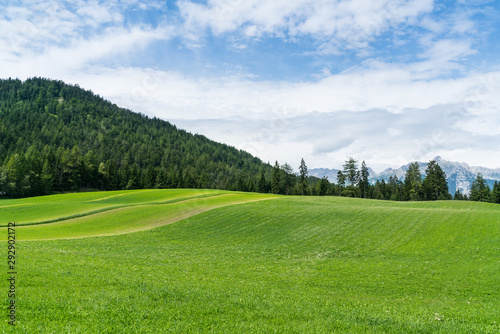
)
(284, 265)
(56, 207)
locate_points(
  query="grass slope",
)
(100, 214)
(47, 208)
(288, 265)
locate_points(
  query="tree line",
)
(354, 182)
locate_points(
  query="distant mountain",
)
(459, 175)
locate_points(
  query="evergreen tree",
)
(395, 189)
(161, 181)
(275, 181)
(341, 181)
(413, 183)
(363, 180)
(351, 171)
(303, 177)
(435, 186)
(495, 195)
(479, 190)
(377, 191)
(150, 177)
(288, 178)
(322, 186)
(262, 186)
(458, 196)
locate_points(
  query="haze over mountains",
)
(459, 174)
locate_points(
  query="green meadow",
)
(206, 261)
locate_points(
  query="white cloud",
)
(95, 14)
(378, 115)
(53, 38)
(351, 24)
(57, 61)
(387, 113)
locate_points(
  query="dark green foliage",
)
(495, 194)
(363, 184)
(395, 190)
(413, 183)
(303, 177)
(287, 179)
(351, 171)
(459, 196)
(323, 186)
(275, 182)
(262, 185)
(434, 185)
(480, 191)
(341, 180)
(57, 137)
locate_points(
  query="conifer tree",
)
(275, 181)
(351, 171)
(495, 195)
(434, 184)
(413, 183)
(363, 180)
(303, 177)
(479, 190)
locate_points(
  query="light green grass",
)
(285, 265)
(133, 217)
(54, 207)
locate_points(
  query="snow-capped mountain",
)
(460, 175)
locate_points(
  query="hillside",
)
(282, 265)
(58, 137)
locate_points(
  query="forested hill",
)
(58, 137)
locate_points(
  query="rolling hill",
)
(234, 262)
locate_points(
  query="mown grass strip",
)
(112, 208)
(45, 208)
(132, 218)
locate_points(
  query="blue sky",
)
(388, 82)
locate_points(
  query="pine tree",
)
(413, 183)
(341, 181)
(150, 177)
(351, 171)
(323, 186)
(479, 190)
(262, 184)
(275, 181)
(288, 178)
(303, 177)
(434, 184)
(363, 180)
(495, 195)
(162, 179)
(458, 196)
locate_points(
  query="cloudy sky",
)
(386, 81)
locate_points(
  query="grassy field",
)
(280, 265)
